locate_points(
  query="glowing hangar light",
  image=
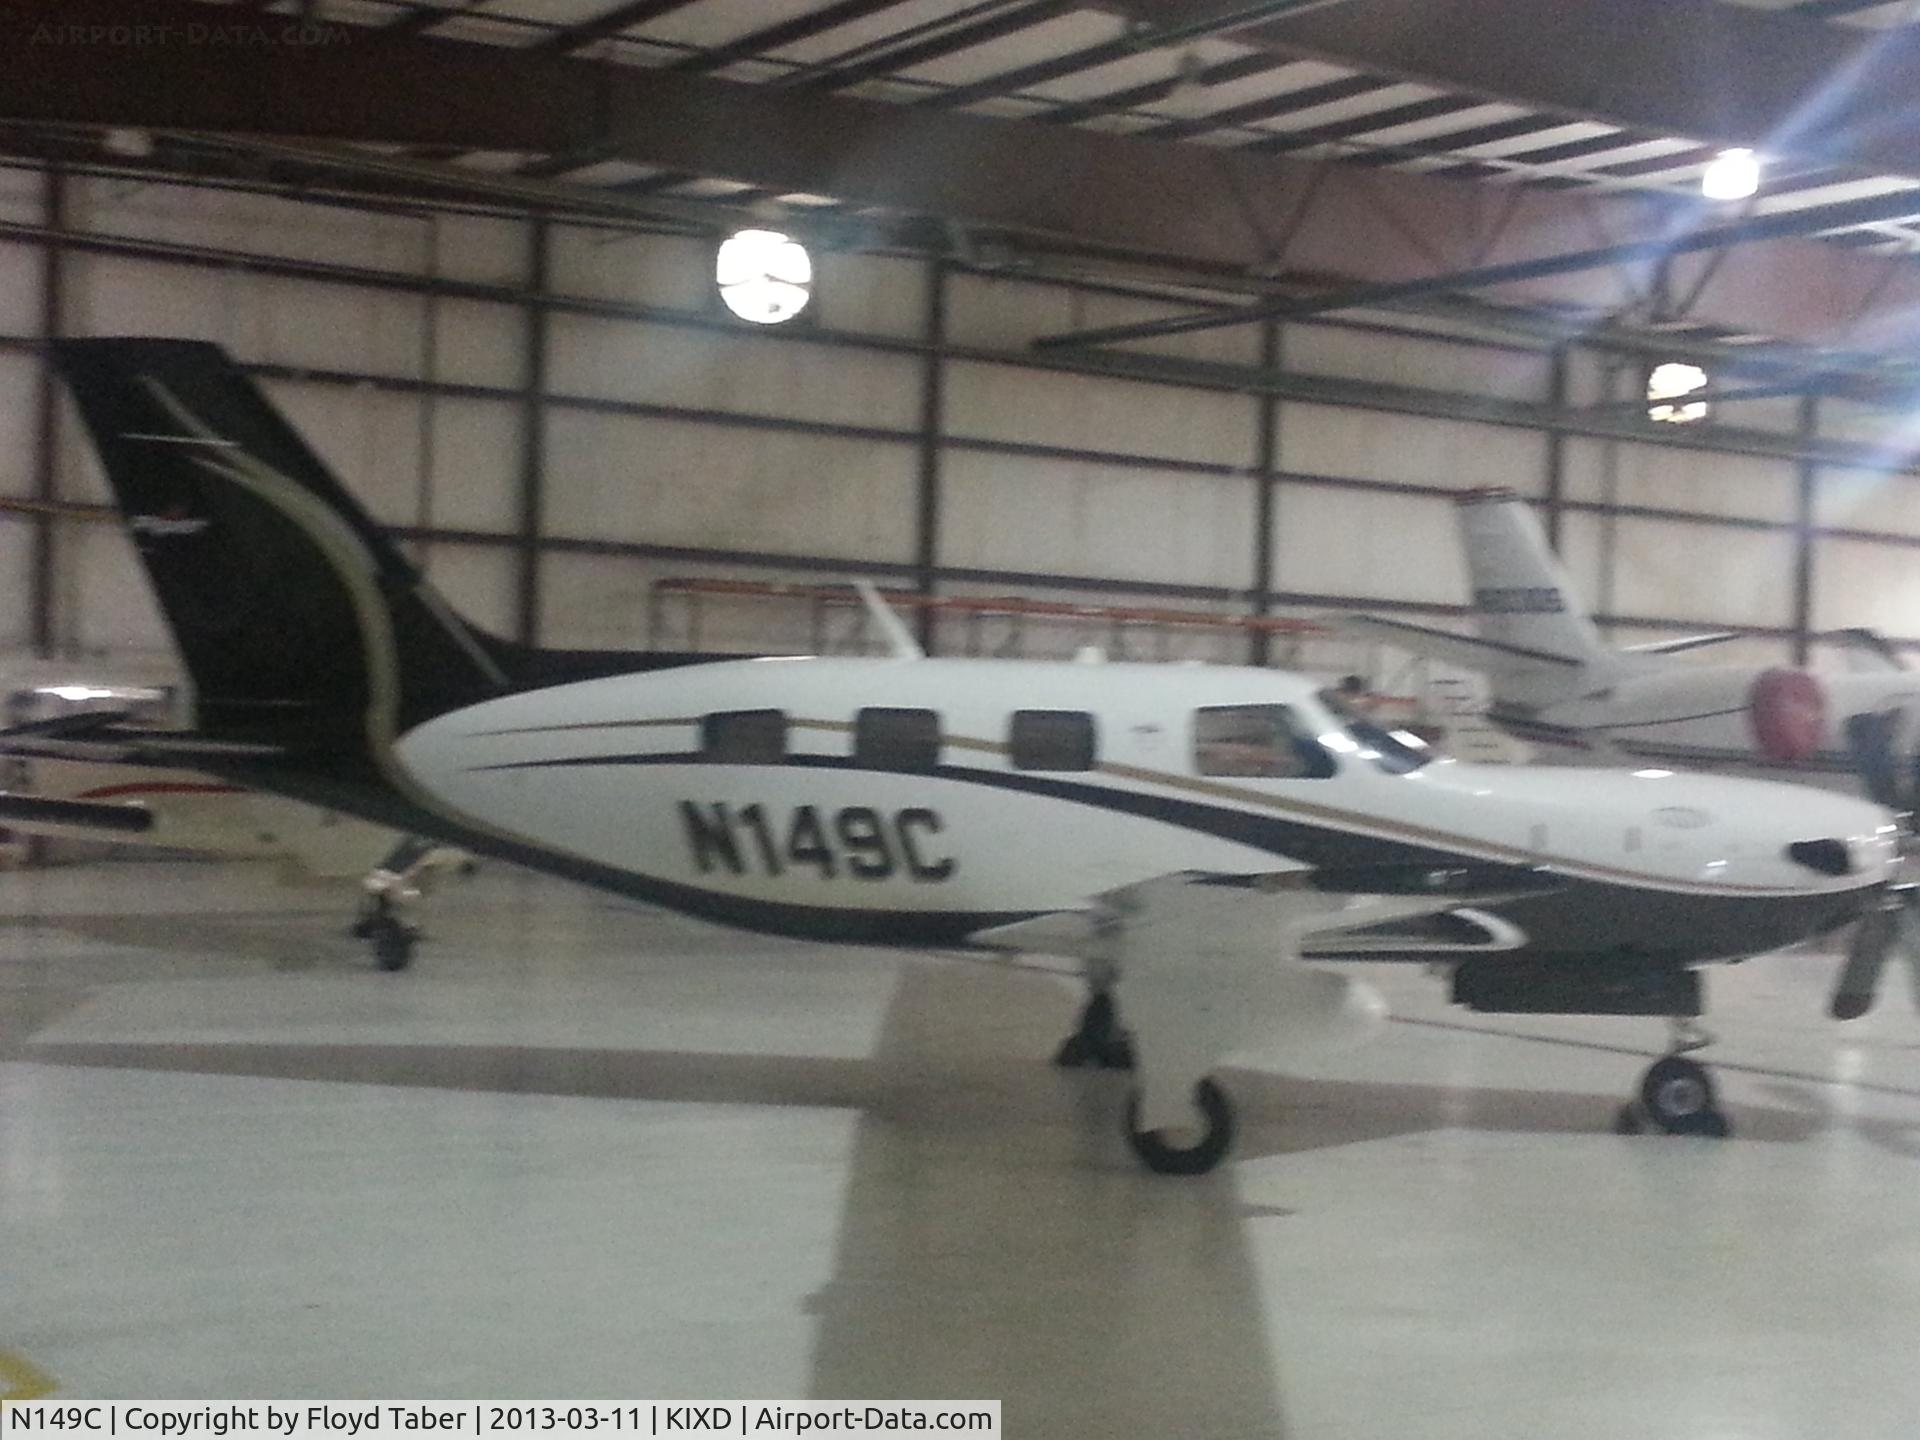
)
(1733, 175)
(764, 276)
(1667, 384)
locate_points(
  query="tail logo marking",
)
(1520, 600)
(173, 524)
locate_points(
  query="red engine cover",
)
(1788, 710)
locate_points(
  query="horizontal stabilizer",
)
(98, 736)
(1869, 652)
(1450, 647)
(99, 817)
(1685, 642)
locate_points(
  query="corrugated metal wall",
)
(903, 431)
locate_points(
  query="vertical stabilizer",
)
(301, 624)
(1521, 595)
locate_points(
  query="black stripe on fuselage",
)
(1315, 845)
(856, 925)
(1615, 725)
(1824, 762)
(1581, 918)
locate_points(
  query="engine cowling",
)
(1787, 710)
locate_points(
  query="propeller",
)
(1878, 740)
(1880, 931)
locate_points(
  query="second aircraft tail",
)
(1522, 598)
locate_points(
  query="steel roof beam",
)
(1201, 208)
(1701, 69)
(604, 27)
(1658, 250)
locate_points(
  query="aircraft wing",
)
(1684, 642)
(102, 819)
(1450, 647)
(1326, 911)
(1203, 961)
(102, 736)
(1869, 653)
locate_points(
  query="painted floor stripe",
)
(22, 1381)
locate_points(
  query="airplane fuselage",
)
(831, 834)
(1718, 717)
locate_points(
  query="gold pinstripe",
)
(1348, 820)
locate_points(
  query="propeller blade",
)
(1907, 931)
(1859, 980)
(1870, 738)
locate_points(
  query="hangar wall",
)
(558, 417)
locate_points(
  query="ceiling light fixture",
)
(1667, 384)
(123, 140)
(1732, 175)
(764, 276)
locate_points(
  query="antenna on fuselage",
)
(900, 642)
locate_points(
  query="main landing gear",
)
(1200, 966)
(1185, 1149)
(1099, 1043)
(1676, 1094)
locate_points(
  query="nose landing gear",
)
(1676, 1094)
(391, 937)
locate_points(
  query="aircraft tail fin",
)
(301, 625)
(1522, 598)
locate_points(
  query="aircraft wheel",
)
(1158, 1149)
(1099, 1042)
(393, 945)
(1677, 1095)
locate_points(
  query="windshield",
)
(1395, 751)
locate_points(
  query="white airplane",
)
(1192, 836)
(1553, 683)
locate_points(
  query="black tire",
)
(393, 947)
(1198, 1159)
(1626, 1120)
(1712, 1125)
(1677, 1095)
(1074, 1052)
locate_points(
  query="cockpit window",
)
(1261, 741)
(1396, 751)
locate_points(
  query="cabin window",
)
(886, 738)
(1262, 741)
(1398, 752)
(1051, 740)
(744, 737)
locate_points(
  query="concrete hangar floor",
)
(584, 1149)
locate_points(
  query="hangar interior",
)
(1164, 326)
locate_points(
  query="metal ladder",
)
(1458, 700)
